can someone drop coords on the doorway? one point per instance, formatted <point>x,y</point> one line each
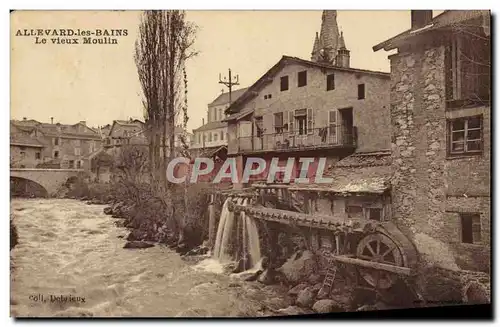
<point>346,125</point>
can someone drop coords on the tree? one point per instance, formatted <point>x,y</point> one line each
<point>161,51</point>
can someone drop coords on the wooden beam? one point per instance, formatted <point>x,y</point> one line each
<point>374,265</point>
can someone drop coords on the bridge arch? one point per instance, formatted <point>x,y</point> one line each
<point>24,187</point>
<point>50,179</point>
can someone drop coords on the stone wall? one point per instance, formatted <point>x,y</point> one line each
<point>426,182</point>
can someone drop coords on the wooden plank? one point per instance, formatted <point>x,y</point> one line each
<point>375,265</point>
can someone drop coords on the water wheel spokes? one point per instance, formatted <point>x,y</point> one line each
<point>381,249</point>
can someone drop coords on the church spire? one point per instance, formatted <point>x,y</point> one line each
<point>343,55</point>
<point>328,42</point>
<point>316,48</point>
<point>329,34</point>
<point>341,41</point>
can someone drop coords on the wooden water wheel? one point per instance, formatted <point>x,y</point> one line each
<point>381,249</point>
<point>388,254</point>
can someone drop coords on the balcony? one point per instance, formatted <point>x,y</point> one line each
<point>317,138</point>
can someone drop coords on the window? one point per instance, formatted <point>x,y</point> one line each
<point>209,137</point>
<point>284,83</point>
<point>56,141</point>
<point>465,136</point>
<point>220,114</point>
<point>470,227</point>
<point>268,96</point>
<point>56,154</point>
<point>78,164</point>
<point>77,151</point>
<point>301,121</point>
<point>38,155</point>
<point>216,137</point>
<point>302,78</point>
<point>204,137</point>
<point>361,91</point>
<point>330,82</point>
<point>71,164</point>
<point>468,67</point>
<point>278,122</point>
<point>199,138</point>
<point>375,214</point>
<point>23,154</point>
<point>222,135</point>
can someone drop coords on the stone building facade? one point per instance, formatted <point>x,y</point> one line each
<point>335,112</point>
<point>64,145</point>
<point>214,132</point>
<point>440,117</point>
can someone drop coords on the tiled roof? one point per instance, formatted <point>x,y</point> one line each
<point>449,18</point>
<point>53,129</point>
<point>134,122</point>
<point>25,140</point>
<point>366,159</point>
<point>359,173</point>
<point>211,125</point>
<point>238,115</point>
<point>223,98</point>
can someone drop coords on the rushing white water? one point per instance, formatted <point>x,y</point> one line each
<point>253,244</point>
<point>70,249</point>
<point>226,219</point>
<point>250,235</point>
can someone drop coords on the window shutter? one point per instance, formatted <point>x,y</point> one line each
<point>332,125</point>
<point>310,121</point>
<point>290,121</point>
<point>476,228</point>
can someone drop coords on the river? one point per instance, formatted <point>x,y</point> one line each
<point>70,262</point>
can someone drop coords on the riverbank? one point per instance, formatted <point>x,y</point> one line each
<point>298,277</point>
<point>69,248</point>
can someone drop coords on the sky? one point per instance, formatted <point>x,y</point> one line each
<point>99,83</point>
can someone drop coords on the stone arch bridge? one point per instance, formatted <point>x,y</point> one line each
<point>50,179</point>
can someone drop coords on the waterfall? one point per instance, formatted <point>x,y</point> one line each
<point>224,217</point>
<point>253,245</point>
<point>250,235</point>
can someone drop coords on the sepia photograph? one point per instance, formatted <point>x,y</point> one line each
<point>250,163</point>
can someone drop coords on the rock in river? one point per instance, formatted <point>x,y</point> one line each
<point>326,306</point>
<point>295,290</point>
<point>137,245</point>
<point>305,299</point>
<point>299,268</point>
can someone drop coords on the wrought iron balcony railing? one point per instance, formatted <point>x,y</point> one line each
<point>282,140</point>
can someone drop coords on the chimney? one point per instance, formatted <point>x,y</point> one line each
<point>420,18</point>
<point>24,118</point>
<point>202,121</point>
<point>52,120</point>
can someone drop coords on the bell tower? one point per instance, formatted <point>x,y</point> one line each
<point>330,43</point>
